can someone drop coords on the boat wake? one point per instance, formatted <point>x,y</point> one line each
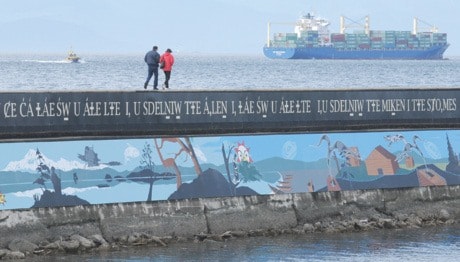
<point>53,61</point>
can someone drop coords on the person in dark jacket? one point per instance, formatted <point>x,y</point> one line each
<point>152,58</point>
<point>168,59</point>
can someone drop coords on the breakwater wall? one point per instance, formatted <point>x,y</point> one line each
<point>83,228</point>
<point>95,169</point>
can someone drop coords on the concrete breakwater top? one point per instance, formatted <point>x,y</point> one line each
<point>70,114</point>
<point>30,233</point>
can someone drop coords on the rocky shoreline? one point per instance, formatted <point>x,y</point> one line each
<point>22,248</point>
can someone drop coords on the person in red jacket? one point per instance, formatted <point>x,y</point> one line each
<point>166,62</point>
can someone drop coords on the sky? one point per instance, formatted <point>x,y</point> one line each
<point>197,27</point>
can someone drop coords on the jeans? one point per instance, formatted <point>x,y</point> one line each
<point>153,70</point>
<point>167,77</point>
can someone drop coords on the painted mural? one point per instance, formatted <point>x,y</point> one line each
<point>85,172</point>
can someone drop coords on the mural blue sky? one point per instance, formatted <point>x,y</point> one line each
<point>208,149</point>
<point>203,26</point>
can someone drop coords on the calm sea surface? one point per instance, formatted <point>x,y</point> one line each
<point>206,72</point>
<point>103,72</point>
<point>427,244</point>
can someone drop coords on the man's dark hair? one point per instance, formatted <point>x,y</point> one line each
<point>155,47</point>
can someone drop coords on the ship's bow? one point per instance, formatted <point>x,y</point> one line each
<point>279,52</point>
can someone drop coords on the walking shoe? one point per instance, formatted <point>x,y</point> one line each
<point>145,85</point>
<point>155,88</point>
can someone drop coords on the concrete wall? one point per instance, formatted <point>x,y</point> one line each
<point>186,218</point>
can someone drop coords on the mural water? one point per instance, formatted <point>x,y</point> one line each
<point>84,172</point>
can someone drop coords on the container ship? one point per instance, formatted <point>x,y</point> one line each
<point>311,39</point>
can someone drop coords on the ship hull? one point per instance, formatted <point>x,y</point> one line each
<point>329,52</point>
<point>73,60</point>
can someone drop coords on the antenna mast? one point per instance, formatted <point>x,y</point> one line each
<point>430,28</point>
<point>354,24</point>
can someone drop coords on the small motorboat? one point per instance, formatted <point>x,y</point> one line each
<point>72,57</point>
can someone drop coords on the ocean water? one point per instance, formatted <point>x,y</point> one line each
<point>21,72</point>
<point>426,244</point>
<point>219,72</point>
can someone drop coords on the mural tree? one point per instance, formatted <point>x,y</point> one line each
<point>170,162</point>
<point>147,174</point>
<point>49,198</point>
<point>147,161</point>
<point>148,164</point>
<point>47,173</point>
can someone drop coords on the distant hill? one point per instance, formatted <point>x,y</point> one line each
<point>210,184</point>
<point>16,181</point>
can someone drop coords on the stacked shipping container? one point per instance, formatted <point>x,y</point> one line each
<point>375,40</point>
